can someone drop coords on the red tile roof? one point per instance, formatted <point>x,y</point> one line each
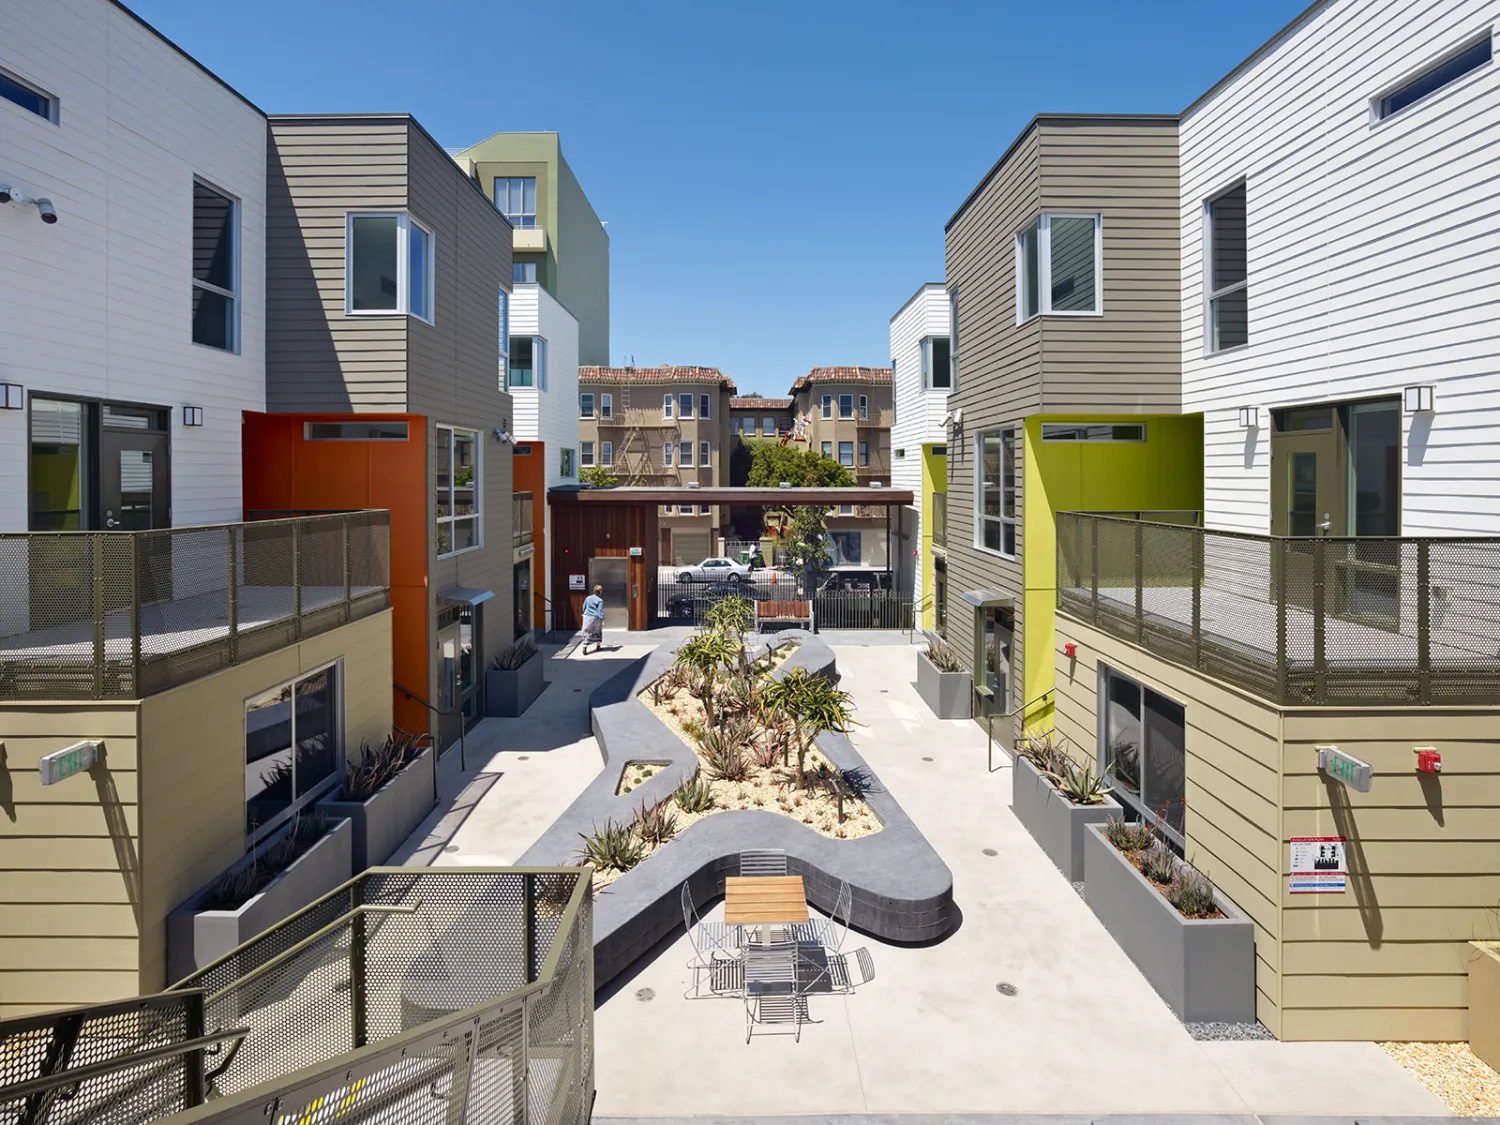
<point>843,375</point>
<point>746,402</point>
<point>663,374</point>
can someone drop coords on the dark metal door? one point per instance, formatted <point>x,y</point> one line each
<point>134,481</point>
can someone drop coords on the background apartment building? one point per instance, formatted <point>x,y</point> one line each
<point>661,426</point>
<point>921,381</point>
<point>756,418</point>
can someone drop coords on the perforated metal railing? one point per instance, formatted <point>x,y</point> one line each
<point>407,996</point>
<point>1358,621</point>
<point>121,615</point>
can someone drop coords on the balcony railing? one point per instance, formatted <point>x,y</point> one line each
<point>939,519</point>
<point>1345,621</point>
<point>122,615</point>
<point>521,515</point>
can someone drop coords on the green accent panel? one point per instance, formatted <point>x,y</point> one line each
<point>934,479</point>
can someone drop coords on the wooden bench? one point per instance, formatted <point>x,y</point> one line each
<point>783,614</point>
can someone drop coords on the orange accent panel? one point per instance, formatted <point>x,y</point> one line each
<point>530,475</point>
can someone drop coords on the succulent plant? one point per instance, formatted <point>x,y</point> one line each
<point>615,846</point>
<point>694,795</point>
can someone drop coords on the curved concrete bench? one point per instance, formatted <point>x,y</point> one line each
<point>902,890</point>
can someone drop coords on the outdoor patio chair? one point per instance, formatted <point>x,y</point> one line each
<point>709,939</point>
<point>772,988</point>
<point>762,863</point>
<point>831,931</point>
<point>848,971</point>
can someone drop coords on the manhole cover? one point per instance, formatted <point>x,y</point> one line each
<point>926,759</point>
<point>451,848</point>
<point>990,851</point>
<point>522,757</point>
<point>885,691</point>
<point>1005,988</point>
<point>645,994</point>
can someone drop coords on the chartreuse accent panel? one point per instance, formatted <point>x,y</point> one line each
<point>934,479</point>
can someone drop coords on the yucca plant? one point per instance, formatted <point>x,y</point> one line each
<point>694,795</point>
<point>723,757</point>
<point>615,846</point>
<point>513,655</point>
<point>813,705</point>
<point>734,614</point>
<point>944,658</point>
<point>656,824</point>
<point>1128,836</point>
<point>1082,786</point>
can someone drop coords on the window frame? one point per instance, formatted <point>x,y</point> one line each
<point>1211,294</point>
<point>1050,430</point>
<point>685,399</point>
<point>768,426</point>
<point>523,215</point>
<point>585,454</point>
<point>849,447</point>
<point>232,296</point>
<point>827,405</point>
<point>586,408</point>
<point>478,514</point>
<point>53,116</point>
<point>404,222</point>
<point>952,340</point>
<point>685,462</point>
<point>324,787</point>
<point>704,407</point>
<point>929,365</point>
<point>705,455</point>
<point>846,397</point>
<point>565,464</point>
<point>667,402</point>
<point>827,450</point>
<point>1378,111</point>
<point>1043,225</point>
<point>864,455</point>
<point>862,408</point>
<point>1001,520</point>
<point>606,407</point>
<point>1141,803</point>
<point>606,454</point>
<point>503,310</point>
<point>666,455</point>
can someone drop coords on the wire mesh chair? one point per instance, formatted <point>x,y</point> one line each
<point>831,931</point>
<point>758,864</point>
<point>773,992</point>
<point>848,971</point>
<point>709,939</point>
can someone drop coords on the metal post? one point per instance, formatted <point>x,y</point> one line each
<point>194,1085</point>
<point>297,575</point>
<point>1197,578</point>
<point>1140,580</point>
<point>357,967</point>
<point>344,526</point>
<point>135,616</point>
<point>233,586</point>
<point>528,928</point>
<point>1320,622</point>
<point>1094,567</point>
<point>1424,623</point>
<point>97,562</point>
<point>1278,569</point>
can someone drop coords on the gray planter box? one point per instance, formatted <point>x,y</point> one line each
<point>949,695</point>
<point>507,693</point>
<point>1203,968</point>
<point>1053,821</point>
<point>197,937</point>
<point>382,822</point>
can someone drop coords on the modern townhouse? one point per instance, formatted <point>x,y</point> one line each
<point>1339,606</point>
<point>847,411</point>
<point>389,269</point>
<point>151,643</point>
<point>756,418</point>
<point>559,242</point>
<point>921,381</point>
<point>1065,380</point>
<point>662,426</point>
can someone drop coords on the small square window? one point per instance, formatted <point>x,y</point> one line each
<point>388,266</point>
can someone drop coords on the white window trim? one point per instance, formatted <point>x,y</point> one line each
<point>666,455</point>
<point>705,407</point>
<point>263,831</point>
<point>607,406</point>
<point>842,416</point>
<point>666,405</point>
<point>691,397</point>
<point>928,384</point>
<point>953,340</point>
<point>539,361</point>
<point>827,405</point>
<point>607,454</point>
<point>592,407</point>
<point>234,297</point>
<point>1419,71</point>
<point>504,311</point>
<point>685,462</point>
<point>1211,295</point>
<point>849,464</point>
<point>478,516</point>
<point>585,455</point>
<point>404,223</point>
<point>705,455</point>
<point>1044,269</point>
<point>979,516</point>
<point>862,408</point>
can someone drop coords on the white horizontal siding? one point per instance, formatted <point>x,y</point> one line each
<point>919,413</point>
<point>105,308</point>
<point>1374,255</point>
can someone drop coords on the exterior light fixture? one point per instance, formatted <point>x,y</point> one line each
<point>12,396</point>
<point>785,484</point>
<point>1419,399</point>
<point>192,415</point>
<point>1248,418</point>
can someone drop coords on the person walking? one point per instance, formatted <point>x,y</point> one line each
<point>593,620</point>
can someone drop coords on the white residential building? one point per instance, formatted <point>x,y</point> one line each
<point>1342,183</point>
<point>543,382</point>
<point>133,331</point>
<point>921,383</point>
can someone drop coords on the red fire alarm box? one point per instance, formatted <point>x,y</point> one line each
<point>1070,650</point>
<point>1429,760</point>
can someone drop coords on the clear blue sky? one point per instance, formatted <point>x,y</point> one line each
<point>776,176</point>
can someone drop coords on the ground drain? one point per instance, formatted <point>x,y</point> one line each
<point>645,994</point>
<point>451,848</point>
<point>990,851</point>
<point>1005,988</point>
<point>926,759</point>
<point>522,757</point>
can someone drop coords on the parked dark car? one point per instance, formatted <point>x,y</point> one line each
<point>694,602</point>
<point>855,578</point>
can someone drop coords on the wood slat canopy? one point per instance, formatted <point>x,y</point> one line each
<point>759,496</point>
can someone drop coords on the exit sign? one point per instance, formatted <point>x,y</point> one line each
<point>62,764</point>
<point>1344,767</point>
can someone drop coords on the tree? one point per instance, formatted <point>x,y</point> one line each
<point>597,476</point>
<point>704,654</point>
<point>773,463</point>
<point>814,706</point>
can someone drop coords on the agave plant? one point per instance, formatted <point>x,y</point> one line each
<point>656,824</point>
<point>615,846</point>
<point>1128,836</point>
<point>1047,751</point>
<point>1081,785</point>
<point>723,757</point>
<point>944,658</point>
<point>694,795</point>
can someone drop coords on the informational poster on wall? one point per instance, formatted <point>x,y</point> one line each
<point>1318,866</point>
<point>578,581</point>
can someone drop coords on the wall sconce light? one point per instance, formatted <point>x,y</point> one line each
<point>12,396</point>
<point>192,415</point>
<point>1249,419</point>
<point>1419,399</point>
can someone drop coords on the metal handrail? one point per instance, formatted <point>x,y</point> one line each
<point>990,722</point>
<point>463,749</point>
<point>81,1074</point>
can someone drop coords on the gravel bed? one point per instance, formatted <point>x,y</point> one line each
<point>1228,1032</point>
<point>1467,1086</point>
<point>1079,888</point>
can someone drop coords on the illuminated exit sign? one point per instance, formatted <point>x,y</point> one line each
<point>62,764</point>
<point>1344,767</point>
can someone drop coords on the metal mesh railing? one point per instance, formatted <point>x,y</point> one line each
<point>1354,621</point>
<point>121,615</point>
<point>869,607</point>
<point>406,996</point>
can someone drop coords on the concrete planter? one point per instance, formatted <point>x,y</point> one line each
<point>1053,821</point>
<point>949,695</point>
<point>197,937</point>
<point>385,819</point>
<point>1484,1000</point>
<point>508,692</point>
<point>1203,968</point>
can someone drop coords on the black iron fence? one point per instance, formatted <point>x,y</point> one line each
<point>405,996</point>
<point>121,615</point>
<point>865,601</point>
<point>1357,621</point>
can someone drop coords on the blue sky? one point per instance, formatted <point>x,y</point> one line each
<point>776,176</point>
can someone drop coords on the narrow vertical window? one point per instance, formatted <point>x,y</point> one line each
<point>685,405</point>
<point>1226,270</point>
<point>606,406</point>
<point>995,483</point>
<point>953,340</point>
<point>666,406</point>
<point>504,339</point>
<point>846,406</point>
<point>703,407</point>
<point>828,406</point>
<point>586,407</point>
<point>666,455</point>
<point>215,268</point>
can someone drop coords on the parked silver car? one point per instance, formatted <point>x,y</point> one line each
<point>714,570</point>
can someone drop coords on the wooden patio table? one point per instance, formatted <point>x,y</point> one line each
<point>765,901</point>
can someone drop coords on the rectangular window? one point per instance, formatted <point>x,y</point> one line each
<point>995,483</point>
<point>388,266</point>
<point>684,509</point>
<point>1096,431</point>
<point>846,453</point>
<point>1226,270</point>
<point>504,339</point>
<point>515,198</point>
<point>456,477</point>
<point>354,431</point>
<point>28,97</point>
<point>216,268</point>
<point>523,273</point>
<point>666,406</point>
<point>937,374</point>
<point>864,453</point>
<point>685,454</point>
<point>846,552</point>
<point>293,749</point>
<point>953,339</point>
<point>585,407</point>
<point>828,406</point>
<point>767,427</point>
<point>539,347</point>
<point>522,362</point>
<point>846,509</point>
<point>62,465</point>
<point>704,455</point>
<point>1057,267</point>
<point>864,407</point>
<point>703,407</point>
<point>666,455</point>
<point>1142,747</point>
<point>607,454</point>
<point>685,405</point>
<point>846,406</point>
<point>828,449</point>
<point>586,454</point>
<point>565,463</point>
<point>1444,72</point>
<point>606,406</point>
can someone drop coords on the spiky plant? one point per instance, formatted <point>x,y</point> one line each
<point>1129,836</point>
<point>944,658</point>
<point>1193,894</point>
<point>615,846</point>
<point>694,795</point>
<point>656,824</point>
<point>1158,863</point>
<point>723,757</point>
<point>813,705</point>
<point>732,614</point>
<point>513,655</point>
<point>1082,786</point>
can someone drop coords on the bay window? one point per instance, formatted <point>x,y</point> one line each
<point>388,265</point>
<point>1058,267</point>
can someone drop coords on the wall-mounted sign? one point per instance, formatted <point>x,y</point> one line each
<point>62,764</point>
<point>1318,865</point>
<point>578,581</point>
<point>1344,767</point>
<point>635,552</point>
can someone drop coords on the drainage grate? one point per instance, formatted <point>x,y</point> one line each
<point>926,759</point>
<point>990,851</point>
<point>645,994</point>
<point>1005,988</point>
<point>451,848</point>
<point>523,757</point>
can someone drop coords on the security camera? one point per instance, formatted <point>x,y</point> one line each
<point>6,195</point>
<point>49,214</point>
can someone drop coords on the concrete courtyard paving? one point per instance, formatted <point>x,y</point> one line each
<point>1083,1034</point>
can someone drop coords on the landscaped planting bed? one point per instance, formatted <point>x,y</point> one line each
<point>636,774</point>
